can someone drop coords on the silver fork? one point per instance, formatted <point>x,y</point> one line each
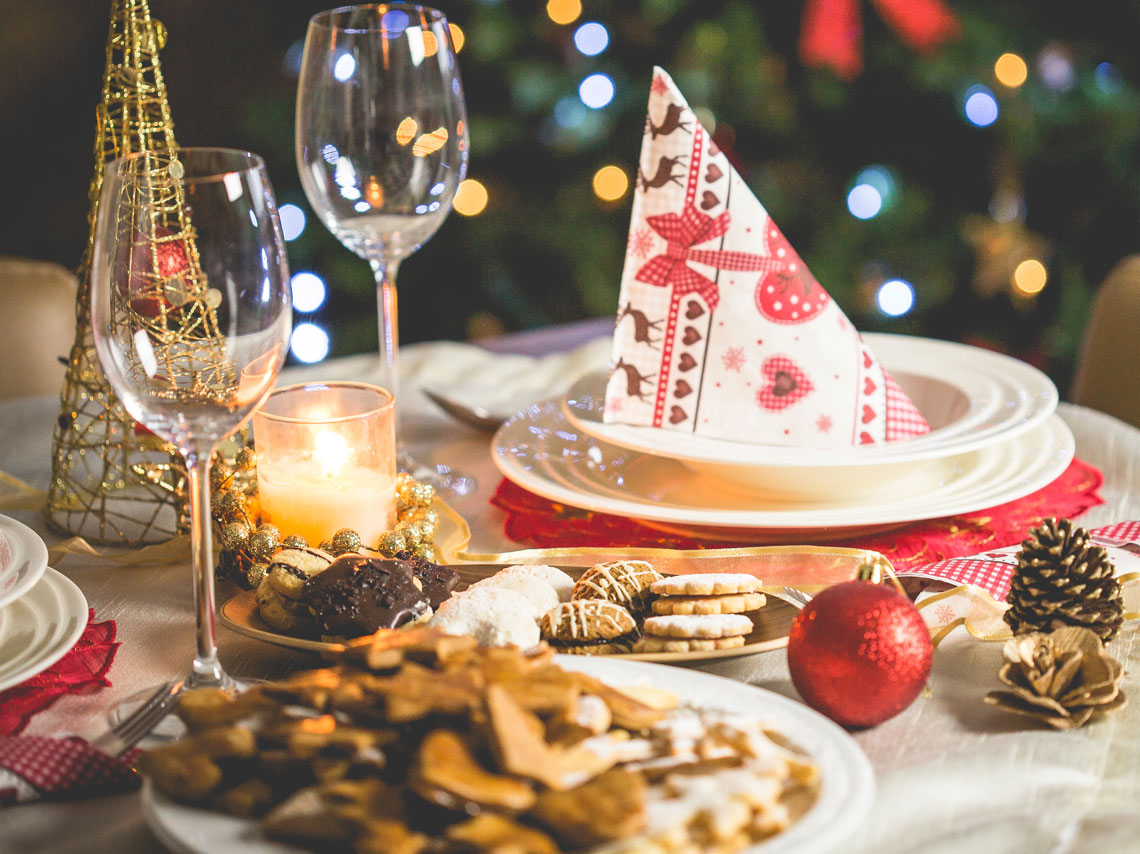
<point>138,724</point>
<point>796,597</point>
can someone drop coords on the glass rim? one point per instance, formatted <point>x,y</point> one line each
<point>389,401</point>
<point>251,161</point>
<point>324,19</point>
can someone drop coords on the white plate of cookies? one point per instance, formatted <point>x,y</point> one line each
<point>623,608</point>
<point>419,741</point>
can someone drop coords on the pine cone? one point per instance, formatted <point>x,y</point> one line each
<point>1063,580</point>
<point>1062,678</point>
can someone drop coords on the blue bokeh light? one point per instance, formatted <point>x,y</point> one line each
<point>895,297</point>
<point>292,221</point>
<point>309,343</point>
<point>591,38</point>
<point>344,67</point>
<point>981,106</point>
<point>596,91</point>
<point>394,22</point>
<point>308,291</point>
<point>864,201</point>
<point>1108,78</point>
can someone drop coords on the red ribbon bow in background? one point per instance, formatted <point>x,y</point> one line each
<point>684,231</point>
<point>832,31</point>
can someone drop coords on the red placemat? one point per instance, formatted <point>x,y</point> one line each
<point>546,524</point>
<point>81,671</point>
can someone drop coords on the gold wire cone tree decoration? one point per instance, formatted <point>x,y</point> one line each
<point>112,480</point>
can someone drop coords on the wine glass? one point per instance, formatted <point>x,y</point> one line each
<point>381,144</point>
<point>191,315</point>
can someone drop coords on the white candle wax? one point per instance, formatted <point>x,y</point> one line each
<point>299,495</point>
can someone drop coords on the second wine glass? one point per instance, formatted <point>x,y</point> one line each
<point>381,141</point>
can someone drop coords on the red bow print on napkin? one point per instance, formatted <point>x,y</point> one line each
<point>684,231</point>
<point>832,31</point>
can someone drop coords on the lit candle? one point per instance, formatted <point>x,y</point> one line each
<point>326,460</point>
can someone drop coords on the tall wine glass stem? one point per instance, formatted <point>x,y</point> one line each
<point>385,272</point>
<point>207,670</point>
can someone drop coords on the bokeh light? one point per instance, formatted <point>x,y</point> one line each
<point>1011,70</point>
<point>1007,205</point>
<point>591,38</point>
<point>1029,277</point>
<point>309,343</point>
<point>596,91</point>
<point>563,11</point>
<point>864,201</point>
<point>394,22</point>
<point>1108,79</point>
<point>406,130</point>
<point>570,112</point>
<point>981,106</point>
<point>308,291</point>
<point>292,221</point>
<point>895,297</point>
<point>610,183</point>
<point>471,198</point>
<point>1056,68</point>
<point>458,39</point>
<point>344,67</point>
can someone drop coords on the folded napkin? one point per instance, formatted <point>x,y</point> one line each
<point>722,330</point>
<point>81,671</point>
<point>36,768</point>
<point>993,570</point>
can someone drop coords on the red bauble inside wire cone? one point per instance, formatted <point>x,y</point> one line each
<point>859,653</point>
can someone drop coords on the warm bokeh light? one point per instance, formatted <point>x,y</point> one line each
<point>430,43</point>
<point>564,11</point>
<point>1010,70</point>
<point>406,131</point>
<point>374,192</point>
<point>610,183</point>
<point>470,198</point>
<point>457,37</point>
<point>1029,277</point>
<point>429,143</point>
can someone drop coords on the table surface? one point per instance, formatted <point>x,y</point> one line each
<point>953,774</point>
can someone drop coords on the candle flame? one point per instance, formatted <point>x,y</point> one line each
<point>331,450</point>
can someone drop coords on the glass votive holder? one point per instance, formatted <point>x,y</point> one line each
<point>326,460</point>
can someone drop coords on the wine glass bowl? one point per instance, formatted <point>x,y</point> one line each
<point>191,315</point>
<point>381,139</point>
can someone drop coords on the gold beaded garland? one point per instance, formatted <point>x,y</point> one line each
<point>248,547</point>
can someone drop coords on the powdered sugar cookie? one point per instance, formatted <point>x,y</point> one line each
<point>495,616</point>
<point>706,584</point>
<point>731,603</point>
<point>555,577</point>
<point>625,582</point>
<point>703,626</point>
<point>534,588</point>
<point>651,643</point>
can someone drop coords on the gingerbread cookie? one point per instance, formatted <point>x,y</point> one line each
<point>707,584</point>
<point>626,582</point>
<point>729,603</point>
<point>589,626</point>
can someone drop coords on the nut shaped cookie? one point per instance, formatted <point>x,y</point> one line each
<point>291,568</point>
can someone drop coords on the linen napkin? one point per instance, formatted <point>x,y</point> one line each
<point>35,767</point>
<point>721,328</point>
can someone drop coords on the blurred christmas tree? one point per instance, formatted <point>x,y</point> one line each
<point>962,168</point>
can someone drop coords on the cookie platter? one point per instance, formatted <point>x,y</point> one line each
<point>769,619</point>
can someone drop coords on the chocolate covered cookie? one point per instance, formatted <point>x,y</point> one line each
<point>437,581</point>
<point>357,595</point>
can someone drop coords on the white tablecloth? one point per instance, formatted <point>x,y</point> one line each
<point>953,774</point>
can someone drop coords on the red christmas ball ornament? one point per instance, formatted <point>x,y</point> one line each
<point>859,652</point>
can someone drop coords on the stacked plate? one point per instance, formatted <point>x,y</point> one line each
<point>42,612</point>
<point>995,438</point>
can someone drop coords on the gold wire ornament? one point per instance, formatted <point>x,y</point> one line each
<point>112,481</point>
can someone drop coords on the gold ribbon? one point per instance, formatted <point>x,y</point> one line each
<point>20,495</point>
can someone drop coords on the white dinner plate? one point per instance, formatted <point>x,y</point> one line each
<point>540,451</point>
<point>28,560</point>
<point>40,627</point>
<point>847,781</point>
<point>971,397</point>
